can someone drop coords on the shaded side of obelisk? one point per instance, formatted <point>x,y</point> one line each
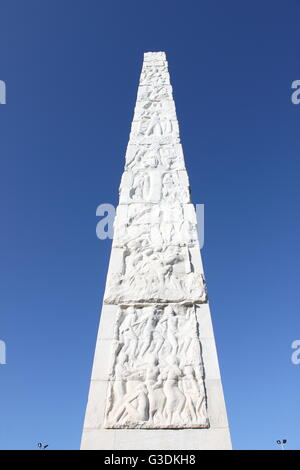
<point>155,382</point>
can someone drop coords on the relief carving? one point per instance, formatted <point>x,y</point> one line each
<point>156,125</point>
<point>155,274</point>
<point>153,185</point>
<point>160,224</point>
<point>173,233</point>
<point>172,190</point>
<point>149,386</point>
<point>155,277</point>
<point>152,156</point>
<point>155,130</point>
<point>146,109</point>
<point>157,93</point>
<point>155,75</point>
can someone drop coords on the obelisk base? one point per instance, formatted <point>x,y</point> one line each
<point>96,437</point>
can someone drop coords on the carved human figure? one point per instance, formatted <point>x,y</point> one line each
<point>190,345</point>
<point>154,74</point>
<point>157,277</point>
<point>169,158</point>
<point>144,158</point>
<point>154,385</point>
<point>141,213</point>
<point>133,280</point>
<point>135,406</point>
<point>153,125</point>
<point>175,399</point>
<point>193,387</point>
<point>151,159</point>
<point>171,218</point>
<point>156,93</point>
<point>192,394</point>
<point>167,125</point>
<point>121,369</point>
<point>129,233</point>
<point>147,334</point>
<point>171,257</point>
<point>141,187</point>
<point>136,157</point>
<point>169,188</point>
<point>171,320</point>
<point>201,404</point>
<point>118,385</point>
<point>127,332</point>
<point>159,336</point>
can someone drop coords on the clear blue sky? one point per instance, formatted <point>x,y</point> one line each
<point>71,69</point>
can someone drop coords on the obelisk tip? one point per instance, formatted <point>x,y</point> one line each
<point>152,56</point>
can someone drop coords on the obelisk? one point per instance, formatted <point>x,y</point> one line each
<point>155,382</point>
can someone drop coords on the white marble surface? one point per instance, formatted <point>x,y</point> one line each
<point>145,439</point>
<point>155,381</point>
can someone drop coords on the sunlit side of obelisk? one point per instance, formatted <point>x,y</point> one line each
<point>155,382</point>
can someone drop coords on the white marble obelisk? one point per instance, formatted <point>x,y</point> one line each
<point>155,381</point>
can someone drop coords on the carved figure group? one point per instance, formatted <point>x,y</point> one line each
<point>155,273</point>
<point>154,75</point>
<point>149,385</point>
<point>156,378</point>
